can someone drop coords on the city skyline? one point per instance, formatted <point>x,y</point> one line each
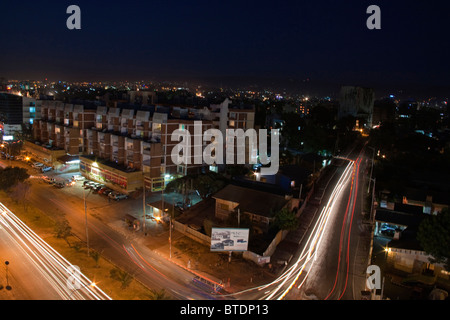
<point>316,47</point>
<point>236,151</point>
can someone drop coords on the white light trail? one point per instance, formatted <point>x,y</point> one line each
<point>54,267</point>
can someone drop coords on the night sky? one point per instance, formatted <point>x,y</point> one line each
<point>226,41</point>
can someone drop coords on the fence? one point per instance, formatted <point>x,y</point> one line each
<point>204,239</point>
<point>191,233</point>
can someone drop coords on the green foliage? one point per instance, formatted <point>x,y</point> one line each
<point>63,230</point>
<point>122,276</point>
<point>285,220</point>
<point>205,184</point>
<point>434,237</point>
<point>96,256</point>
<point>20,193</point>
<point>159,295</point>
<point>10,176</point>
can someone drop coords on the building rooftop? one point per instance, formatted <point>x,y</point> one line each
<point>421,195</point>
<point>408,240</point>
<point>252,201</point>
<point>399,218</point>
<point>408,208</point>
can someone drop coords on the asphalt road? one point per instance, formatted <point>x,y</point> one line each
<point>338,273</point>
<point>34,271</point>
<point>327,262</point>
<point>324,266</point>
<point>129,253</point>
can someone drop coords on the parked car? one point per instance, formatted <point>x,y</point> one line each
<point>102,190</point>
<point>78,178</point>
<point>37,165</point>
<point>117,196</point>
<point>97,188</point>
<point>106,191</point>
<point>88,184</point>
<point>59,184</point>
<point>46,169</point>
<point>388,232</point>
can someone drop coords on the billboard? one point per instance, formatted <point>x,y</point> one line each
<point>229,239</point>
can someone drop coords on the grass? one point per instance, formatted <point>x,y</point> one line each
<point>97,271</point>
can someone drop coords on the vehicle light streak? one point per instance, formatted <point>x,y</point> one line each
<point>310,249</point>
<point>54,267</point>
<point>318,230</point>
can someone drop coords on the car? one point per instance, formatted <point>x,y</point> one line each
<point>59,184</point>
<point>103,190</point>
<point>388,232</point>
<point>48,180</point>
<point>37,165</point>
<point>97,188</point>
<point>88,185</point>
<point>78,178</point>
<point>117,196</point>
<point>46,169</point>
<point>106,191</point>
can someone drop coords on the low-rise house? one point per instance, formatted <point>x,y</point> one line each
<point>260,206</point>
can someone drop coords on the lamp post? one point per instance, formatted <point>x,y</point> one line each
<point>371,169</point>
<point>8,287</point>
<point>86,221</point>
<point>143,203</point>
<point>372,216</point>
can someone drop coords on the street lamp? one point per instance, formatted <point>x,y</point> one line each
<point>86,219</point>
<point>8,287</point>
<point>372,216</point>
<point>371,169</point>
<point>143,202</point>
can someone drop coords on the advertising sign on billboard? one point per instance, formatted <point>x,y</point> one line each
<point>229,239</point>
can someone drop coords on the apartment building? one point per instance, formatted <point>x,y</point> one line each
<point>126,146</point>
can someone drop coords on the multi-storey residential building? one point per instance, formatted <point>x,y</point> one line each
<point>126,145</point>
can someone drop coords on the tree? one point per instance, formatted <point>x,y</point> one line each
<point>63,230</point>
<point>122,276</point>
<point>205,184</point>
<point>159,294</point>
<point>286,220</point>
<point>10,176</point>
<point>434,237</point>
<point>96,256</point>
<point>20,193</point>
